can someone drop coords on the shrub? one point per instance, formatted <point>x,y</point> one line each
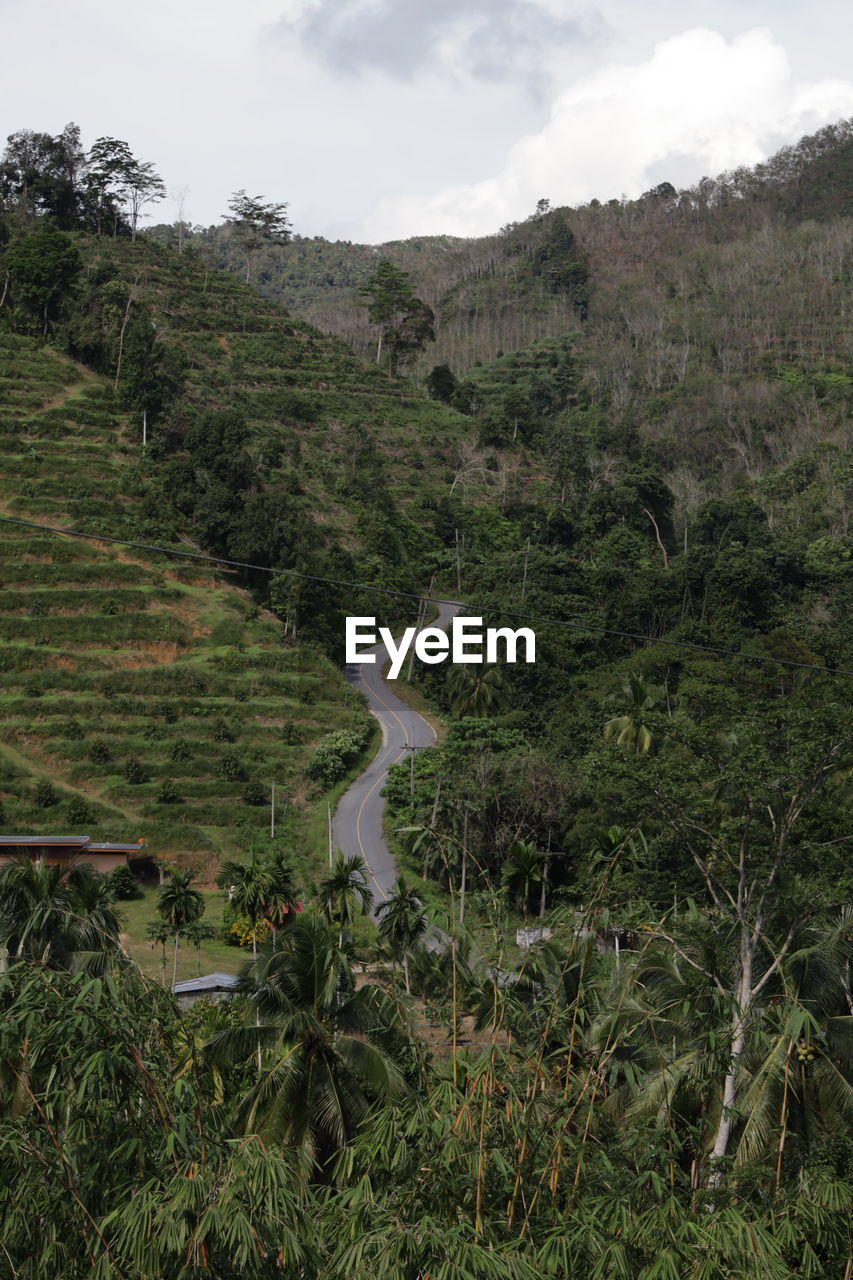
<point>231,767</point>
<point>242,932</point>
<point>134,772</point>
<point>78,813</point>
<point>124,884</point>
<point>290,733</point>
<point>222,731</point>
<point>168,712</point>
<point>333,756</point>
<point>73,730</point>
<point>180,750</point>
<point>255,793</point>
<point>232,660</point>
<point>45,795</point>
<point>99,753</point>
<point>168,793</point>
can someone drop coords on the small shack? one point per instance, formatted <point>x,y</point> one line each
<point>211,986</point>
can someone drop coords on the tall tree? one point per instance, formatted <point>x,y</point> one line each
<point>406,323</point>
<point>257,223</point>
<point>344,893</point>
<point>179,905</point>
<point>42,269</point>
<point>118,180</point>
<point>329,1045</point>
<point>403,922</point>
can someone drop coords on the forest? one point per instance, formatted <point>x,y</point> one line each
<point>604,1024</point>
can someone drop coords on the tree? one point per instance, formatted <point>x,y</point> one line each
<point>179,904</point>
<point>256,223</point>
<point>477,690</point>
<point>631,730</point>
<point>403,922</point>
<point>41,175</point>
<point>406,323</point>
<point>331,1057</point>
<point>344,893</point>
<point>43,268</point>
<point>117,179</point>
<point>523,867</point>
<point>196,933</point>
<point>51,915</point>
<point>249,885</point>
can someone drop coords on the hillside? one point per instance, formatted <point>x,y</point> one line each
<point>141,696</point>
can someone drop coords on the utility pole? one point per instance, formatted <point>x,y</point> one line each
<point>524,578</point>
<point>458,562</point>
<point>422,609</point>
<point>272,814</point>
<point>329,812</point>
<point>144,427</point>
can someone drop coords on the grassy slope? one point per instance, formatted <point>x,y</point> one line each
<point>111,654</point>
<point>299,389</point>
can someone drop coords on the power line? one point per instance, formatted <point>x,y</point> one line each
<point>412,595</point>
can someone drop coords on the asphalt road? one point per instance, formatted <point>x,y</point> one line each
<point>357,824</point>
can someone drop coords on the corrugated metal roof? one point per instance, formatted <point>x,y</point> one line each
<point>44,842</point>
<point>207,982</point>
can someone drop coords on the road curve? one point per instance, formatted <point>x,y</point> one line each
<point>357,824</point>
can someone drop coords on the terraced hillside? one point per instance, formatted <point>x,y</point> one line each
<point>140,696</point>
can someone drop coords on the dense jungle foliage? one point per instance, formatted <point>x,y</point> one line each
<point>633,430</point>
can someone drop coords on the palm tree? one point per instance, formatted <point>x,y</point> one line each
<point>477,691</point>
<point>158,933</point>
<point>333,1057</point>
<point>282,895</point>
<point>630,729</point>
<point>523,867</point>
<point>402,922</point>
<point>196,933</point>
<point>249,885</point>
<point>345,894</point>
<point>179,904</point>
<point>50,915</point>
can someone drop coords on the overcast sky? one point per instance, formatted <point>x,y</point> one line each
<point>378,119</point>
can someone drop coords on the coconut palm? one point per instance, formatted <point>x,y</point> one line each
<point>636,700</point>
<point>332,1049</point>
<point>402,922</point>
<point>477,691</point>
<point>345,894</point>
<point>50,915</point>
<point>179,904</point>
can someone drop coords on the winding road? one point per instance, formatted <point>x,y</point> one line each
<point>357,824</point>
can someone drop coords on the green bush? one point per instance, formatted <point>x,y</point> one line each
<point>255,793</point>
<point>168,793</point>
<point>333,756</point>
<point>231,767</point>
<point>124,884</point>
<point>134,772</point>
<point>45,795</point>
<point>78,812</point>
<point>222,731</point>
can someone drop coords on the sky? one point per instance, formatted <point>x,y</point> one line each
<point>382,119</point>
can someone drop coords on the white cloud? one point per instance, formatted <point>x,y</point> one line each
<point>699,105</point>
